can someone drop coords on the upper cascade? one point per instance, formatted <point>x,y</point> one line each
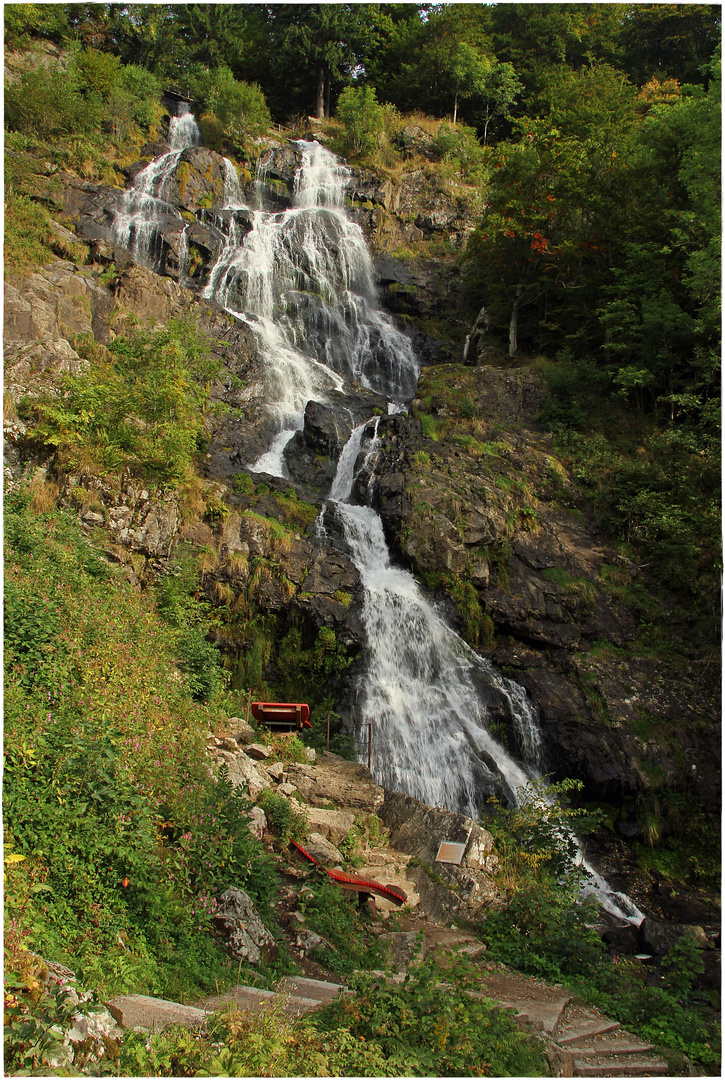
<point>302,279</point>
<point>308,273</point>
<point>321,179</point>
<point>183,131</point>
<point>144,207</point>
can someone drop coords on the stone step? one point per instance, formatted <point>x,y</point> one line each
<point>134,1011</point>
<point>317,989</point>
<point>250,999</point>
<point>639,1065</point>
<point>582,1032</point>
<point>524,1019</point>
<point>625,1046</point>
<point>540,1014</point>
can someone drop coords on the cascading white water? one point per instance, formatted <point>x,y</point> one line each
<point>303,279</point>
<point>183,130</point>
<point>424,691</point>
<point>143,209</point>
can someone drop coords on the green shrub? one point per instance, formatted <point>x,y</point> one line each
<point>432,1026</point>
<point>363,117</point>
<point>335,915</point>
<point>243,482</point>
<point>200,660</point>
<point>285,823</point>
<point>235,109</point>
<point>141,409</point>
<point>429,1026</point>
<point>462,152</point>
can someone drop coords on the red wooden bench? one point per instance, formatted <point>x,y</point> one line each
<point>281,716</point>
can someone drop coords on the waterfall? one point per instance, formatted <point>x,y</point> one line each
<point>303,280</point>
<point>142,208</point>
<point>424,690</point>
<point>430,698</point>
<point>183,130</point>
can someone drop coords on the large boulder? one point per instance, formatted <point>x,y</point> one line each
<point>334,825</point>
<point>246,935</point>
<point>198,180</point>
<point>659,937</point>
<point>446,890</point>
<point>322,850</point>
<point>334,780</point>
<point>432,543</point>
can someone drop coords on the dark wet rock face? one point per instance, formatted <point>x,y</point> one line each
<point>481,508</point>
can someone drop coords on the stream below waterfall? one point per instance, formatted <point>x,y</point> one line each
<point>303,280</point>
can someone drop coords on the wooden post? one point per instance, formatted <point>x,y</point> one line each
<point>249,700</point>
<point>328,731</point>
<point>370,743</point>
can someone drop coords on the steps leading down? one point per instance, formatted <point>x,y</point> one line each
<point>582,1041</point>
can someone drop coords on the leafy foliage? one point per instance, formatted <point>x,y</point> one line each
<point>92,92</point>
<point>239,108</point>
<point>434,1024</point>
<point>140,406</point>
<point>363,117</point>
<point>545,929</point>
<point>126,842</point>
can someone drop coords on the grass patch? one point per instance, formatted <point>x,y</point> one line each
<point>27,236</point>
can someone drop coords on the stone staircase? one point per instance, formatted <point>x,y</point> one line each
<point>582,1042</point>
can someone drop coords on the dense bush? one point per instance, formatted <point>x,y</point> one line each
<point>235,110</point>
<point>363,117</point>
<point>428,1026</point>
<point>89,93</point>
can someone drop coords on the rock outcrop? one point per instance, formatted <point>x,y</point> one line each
<point>247,938</point>
<point>447,890</point>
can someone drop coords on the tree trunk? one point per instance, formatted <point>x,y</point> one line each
<point>320,108</point>
<point>328,90</point>
<point>455,109</point>
<point>514,327</point>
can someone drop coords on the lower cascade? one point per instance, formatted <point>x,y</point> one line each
<point>302,279</point>
<point>426,699</point>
